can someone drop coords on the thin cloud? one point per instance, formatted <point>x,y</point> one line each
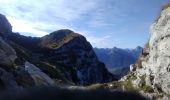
<point>59,13</point>
<point>96,17</point>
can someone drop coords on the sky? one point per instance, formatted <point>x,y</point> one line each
<point>104,23</point>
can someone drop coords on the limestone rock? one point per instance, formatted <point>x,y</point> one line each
<point>153,66</point>
<point>132,67</point>
<point>158,61</point>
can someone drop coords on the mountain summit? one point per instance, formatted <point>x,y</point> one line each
<point>5,26</point>
<point>73,50</point>
<point>58,38</point>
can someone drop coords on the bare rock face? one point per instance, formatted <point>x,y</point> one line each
<point>7,54</point>
<point>159,56</point>
<point>74,51</point>
<point>5,26</point>
<point>153,67</point>
<point>23,77</point>
<point>39,77</point>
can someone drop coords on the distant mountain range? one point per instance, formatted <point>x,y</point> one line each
<point>118,60</point>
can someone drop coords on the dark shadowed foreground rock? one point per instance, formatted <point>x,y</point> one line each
<point>54,93</point>
<point>5,26</point>
<point>29,75</point>
<point>7,80</point>
<point>7,54</point>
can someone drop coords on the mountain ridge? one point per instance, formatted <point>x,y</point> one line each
<point>118,60</point>
<point>65,57</point>
<point>133,53</point>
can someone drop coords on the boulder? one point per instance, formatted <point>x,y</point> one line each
<point>23,77</point>
<point>39,77</point>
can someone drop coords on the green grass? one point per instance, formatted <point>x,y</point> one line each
<point>143,86</point>
<point>127,84</point>
<point>147,46</point>
<point>48,69</point>
<point>165,6</point>
<point>139,62</point>
<point>111,85</point>
<point>142,55</point>
<point>162,8</point>
<point>96,86</point>
<point>54,44</point>
<point>142,81</point>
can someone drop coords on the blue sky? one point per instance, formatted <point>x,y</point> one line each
<point>105,23</point>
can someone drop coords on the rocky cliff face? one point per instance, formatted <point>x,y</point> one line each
<point>62,57</point>
<point>151,73</point>
<point>73,50</point>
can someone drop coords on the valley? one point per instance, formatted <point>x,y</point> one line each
<point>64,63</point>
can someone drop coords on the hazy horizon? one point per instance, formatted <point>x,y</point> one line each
<point>115,23</point>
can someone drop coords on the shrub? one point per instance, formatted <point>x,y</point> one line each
<point>127,84</point>
<point>162,8</point>
<point>143,85</point>
<point>165,6</point>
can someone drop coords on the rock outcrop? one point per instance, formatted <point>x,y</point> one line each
<point>5,26</point>
<point>14,75</point>
<point>7,54</point>
<point>39,77</point>
<point>72,50</point>
<point>151,73</point>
